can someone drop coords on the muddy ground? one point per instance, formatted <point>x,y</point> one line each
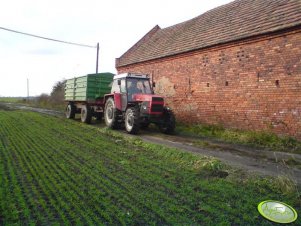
<point>266,162</point>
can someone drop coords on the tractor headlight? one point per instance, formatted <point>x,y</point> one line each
<point>144,107</point>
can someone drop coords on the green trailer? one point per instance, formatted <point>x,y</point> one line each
<point>85,95</point>
<point>88,88</point>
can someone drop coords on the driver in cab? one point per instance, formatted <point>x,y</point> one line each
<point>133,89</point>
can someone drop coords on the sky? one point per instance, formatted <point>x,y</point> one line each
<point>116,25</point>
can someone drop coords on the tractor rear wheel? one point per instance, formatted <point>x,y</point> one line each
<point>111,114</point>
<point>169,121</point>
<point>70,111</point>
<point>86,114</point>
<point>132,124</point>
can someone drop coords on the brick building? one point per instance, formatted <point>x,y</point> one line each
<point>238,65</point>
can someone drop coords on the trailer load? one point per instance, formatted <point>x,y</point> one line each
<point>125,100</point>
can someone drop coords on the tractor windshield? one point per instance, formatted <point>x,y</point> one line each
<point>135,85</point>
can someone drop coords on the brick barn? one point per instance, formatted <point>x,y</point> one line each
<point>238,65</point>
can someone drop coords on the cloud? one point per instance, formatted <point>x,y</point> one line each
<point>115,24</point>
<point>43,52</point>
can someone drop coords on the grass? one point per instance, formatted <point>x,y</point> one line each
<point>60,172</point>
<point>293,162</point>
<point>47,105</point>
<point>34,102</point>
<point>263,139</point>
<point>11,99</point>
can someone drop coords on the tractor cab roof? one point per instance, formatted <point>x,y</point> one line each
<point>131,75</point>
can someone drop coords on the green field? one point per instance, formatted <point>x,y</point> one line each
<point>61,172</point>
<point>11,99</point>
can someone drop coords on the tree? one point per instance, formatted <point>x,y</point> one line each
<point>43,100</point>
<point>58,92</point>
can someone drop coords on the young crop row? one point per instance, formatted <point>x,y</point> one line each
<point>55,171</point>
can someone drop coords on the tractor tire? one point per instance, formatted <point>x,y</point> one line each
<point>132,122</point>
<point>111,114</point>
<point>169,122</point>
<point>70,111</point>
<point>86,114</point>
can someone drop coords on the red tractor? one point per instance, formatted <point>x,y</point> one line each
<point>132,102</point>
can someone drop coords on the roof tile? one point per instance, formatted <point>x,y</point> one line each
<point>233,21</point>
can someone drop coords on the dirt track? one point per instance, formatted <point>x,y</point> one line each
<point>264,162</point>
<point>254,160</point>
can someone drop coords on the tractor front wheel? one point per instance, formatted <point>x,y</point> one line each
<point>132,124</point>
<point>168,124</point>
<point>111,114</point>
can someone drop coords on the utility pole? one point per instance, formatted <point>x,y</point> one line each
<point>27,90</point>
<point>97,57</point>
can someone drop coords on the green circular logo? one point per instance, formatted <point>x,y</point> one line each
<point>278,212</point>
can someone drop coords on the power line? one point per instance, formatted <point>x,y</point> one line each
<point>49,39</point>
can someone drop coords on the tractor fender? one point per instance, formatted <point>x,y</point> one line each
<point>117,100</point>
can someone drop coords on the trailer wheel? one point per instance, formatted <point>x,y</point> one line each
<point>169,121</point>
<point>132,124</point>
<point>111,114</point>
<point>70,111</point>
<point>86,114</point>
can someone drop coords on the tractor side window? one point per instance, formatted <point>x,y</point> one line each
<point>118,89</point>
<point>123,86</point>
<point>115,87</point>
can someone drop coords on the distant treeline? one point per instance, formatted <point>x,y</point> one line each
<point>54,100</point>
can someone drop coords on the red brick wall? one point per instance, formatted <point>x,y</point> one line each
<point>253,85</point>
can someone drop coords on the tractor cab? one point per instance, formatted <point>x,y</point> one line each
<point>131,84</point>
<point>132,101</point>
